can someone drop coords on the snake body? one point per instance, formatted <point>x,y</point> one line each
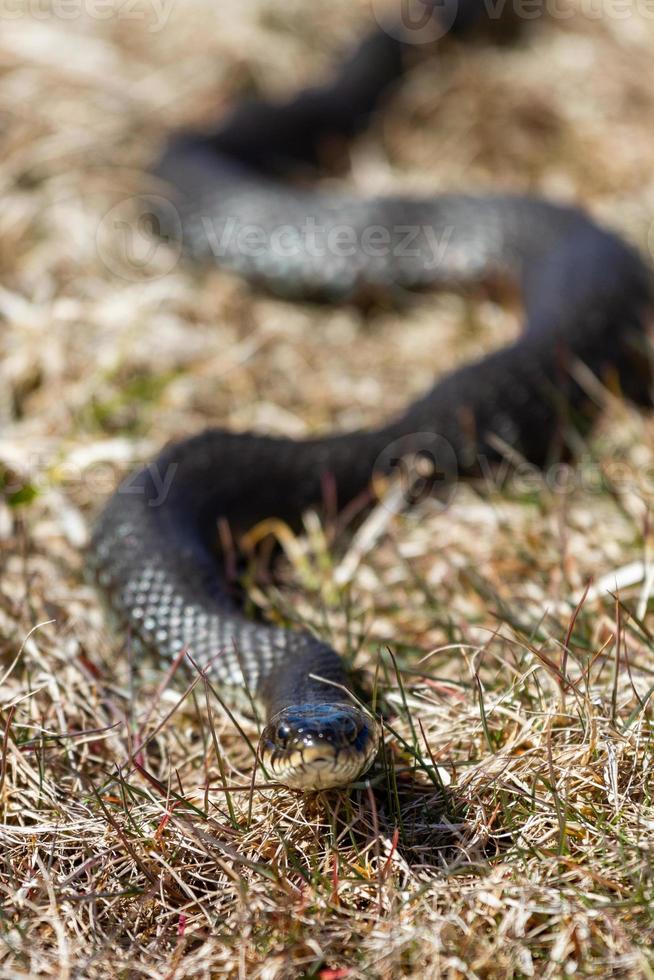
<point>586,295</point>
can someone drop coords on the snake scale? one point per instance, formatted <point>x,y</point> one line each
<point>586,294</point>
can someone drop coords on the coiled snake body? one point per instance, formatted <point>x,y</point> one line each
<point>586,296</point>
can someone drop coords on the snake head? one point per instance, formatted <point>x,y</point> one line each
<point>319,746</point>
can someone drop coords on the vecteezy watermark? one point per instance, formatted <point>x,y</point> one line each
<point>156,485</point>
<point>410,470</point>
<point>596,9</point>
<point>140,238</point>
<point>312,239</point>
<point>154,13</point>
<point>423,465</point>
<point>43,471</point>
<point>425,21</point>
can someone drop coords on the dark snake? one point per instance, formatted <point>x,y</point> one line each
<point>586,294</point>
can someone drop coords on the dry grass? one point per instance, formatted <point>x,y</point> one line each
<point>512,835</point>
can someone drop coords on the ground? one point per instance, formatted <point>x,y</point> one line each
<point>508,828</point>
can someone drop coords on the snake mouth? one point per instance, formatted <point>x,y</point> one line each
<point>319,746</point>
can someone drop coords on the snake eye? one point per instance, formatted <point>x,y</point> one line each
<point>283,734</point>
<point>349,729</point>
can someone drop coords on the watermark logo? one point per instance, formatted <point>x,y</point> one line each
<point>414,468</point>
<point>140,238</point>
<point>415,21</point>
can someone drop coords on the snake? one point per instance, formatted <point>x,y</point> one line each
<point>246,194</point>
